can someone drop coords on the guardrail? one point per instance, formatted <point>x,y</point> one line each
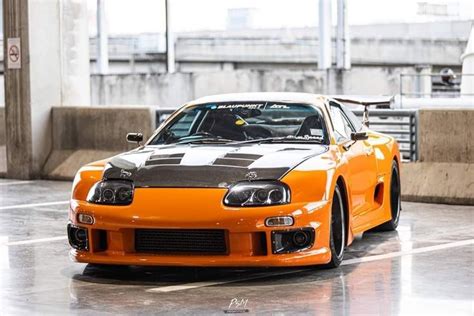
<point>433,85</point>
<point>401,124</point>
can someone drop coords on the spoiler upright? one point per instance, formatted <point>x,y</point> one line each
<point>366,101</point>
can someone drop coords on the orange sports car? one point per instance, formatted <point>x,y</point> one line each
<point>255,179</point>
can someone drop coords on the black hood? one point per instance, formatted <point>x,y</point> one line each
<point>208,166</point>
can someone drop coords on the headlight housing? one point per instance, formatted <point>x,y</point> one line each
<point>258,193</point>
<point>111,192</point>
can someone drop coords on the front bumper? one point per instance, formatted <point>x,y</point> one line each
<point>115,227</point>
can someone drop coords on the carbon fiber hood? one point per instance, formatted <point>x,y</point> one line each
<point>208,166</point>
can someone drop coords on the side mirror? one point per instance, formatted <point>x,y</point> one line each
<point>359,136</point>
<point>135,138</point>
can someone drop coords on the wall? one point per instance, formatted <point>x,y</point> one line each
<point>438,182</point>
<point>2,126</point>
<point>84,134</point>
<point>98,127</point>
<point>445,172</point>
<point>142,89</point>
<point>59,71</point>
<point>3,149</point>
<point>172,90</point>
<point>277,48</point>
<point>446,136</point>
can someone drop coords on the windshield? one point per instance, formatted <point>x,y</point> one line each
<point>232,122</point>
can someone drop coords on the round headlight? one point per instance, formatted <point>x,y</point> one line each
<point>275,196</point>
<point>260,195</point>
<point>108,195</point>
<point>124,194</point>
<point>239,196</point>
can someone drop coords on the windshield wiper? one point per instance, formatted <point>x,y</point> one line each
<point>206,140</point>
<point>286,139</point>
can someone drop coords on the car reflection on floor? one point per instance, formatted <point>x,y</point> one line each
<point>426,267</point>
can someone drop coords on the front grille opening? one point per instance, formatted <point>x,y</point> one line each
<point>259,246</point>
<point>100,240</point>
<point>181,241</point>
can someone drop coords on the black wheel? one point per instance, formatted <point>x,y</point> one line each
<point>337,234</point>
<point>395,201</point>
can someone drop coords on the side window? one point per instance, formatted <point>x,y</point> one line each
<point>342,127</point>
<point>353,118</point>
<point>183,126</point>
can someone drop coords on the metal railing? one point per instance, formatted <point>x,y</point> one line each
<point>433,85</point>
<point>401,124</point>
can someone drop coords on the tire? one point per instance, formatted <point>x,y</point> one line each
<point>337,233</point>
<point>395,201</point>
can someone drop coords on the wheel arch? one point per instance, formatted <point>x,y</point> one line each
<point>397,160</point>
<point>341,183</point>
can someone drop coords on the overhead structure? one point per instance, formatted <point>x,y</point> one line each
<point>325,38</point>
<point>102,39</point>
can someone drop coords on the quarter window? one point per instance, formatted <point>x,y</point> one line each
<point>342,127</point>
<point>356,123</point>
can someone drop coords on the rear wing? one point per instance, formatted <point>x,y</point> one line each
<point>366,101</point>
<point>379,101</point>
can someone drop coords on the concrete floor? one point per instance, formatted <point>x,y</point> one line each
<point>427,267</point>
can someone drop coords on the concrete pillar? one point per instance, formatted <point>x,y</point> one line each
<point>170,57</point>
<point>325,38</point>
<point>343,41</point>
<point>422,84</point>
<point>50,69</point>
<point>102,39</point>
<point>467,59</point>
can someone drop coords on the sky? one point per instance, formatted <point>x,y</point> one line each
<point>147,16</point>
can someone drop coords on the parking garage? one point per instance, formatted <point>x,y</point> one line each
<point>71,97</point>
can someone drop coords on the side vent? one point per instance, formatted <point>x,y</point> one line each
<point>378,193</point>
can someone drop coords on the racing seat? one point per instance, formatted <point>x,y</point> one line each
<point>223,125</point>
<point>311,126</point>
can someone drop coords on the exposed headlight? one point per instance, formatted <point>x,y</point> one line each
<point>258,193</point>
<point>112,192</point>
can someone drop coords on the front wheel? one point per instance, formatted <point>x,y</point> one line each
<point>395,201</point>
<point>337,238</point>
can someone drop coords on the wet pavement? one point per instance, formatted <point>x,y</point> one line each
<point>425,268</point>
